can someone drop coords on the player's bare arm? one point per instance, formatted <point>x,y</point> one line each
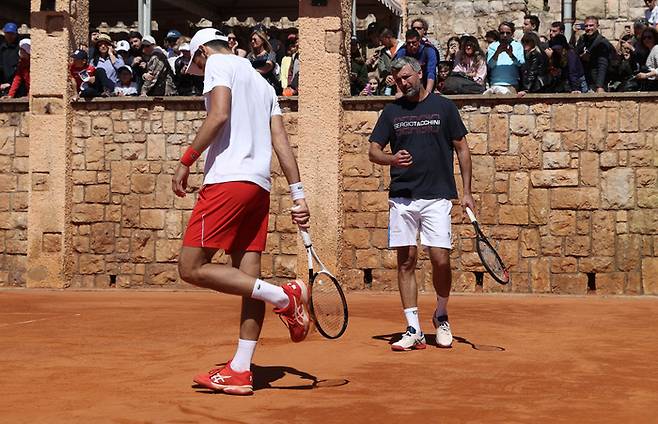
<point>281,146</point>
<point>220,112</point>
<point>401,159</point>
<point>465,166</point>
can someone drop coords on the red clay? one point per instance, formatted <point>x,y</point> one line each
<point>129,357</point>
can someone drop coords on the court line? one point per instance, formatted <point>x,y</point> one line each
<point>35,320</point>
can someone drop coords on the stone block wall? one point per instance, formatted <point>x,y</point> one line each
<point>128,224</point>
<point>565,186</point>
<point>14,186</point>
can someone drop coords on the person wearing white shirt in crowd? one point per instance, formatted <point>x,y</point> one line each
<point>651,14</point>
<point>126,86</point>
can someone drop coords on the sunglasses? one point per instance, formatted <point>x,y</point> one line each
<point>418,28</point>
<point>505,32</point>
<point>232,38</point>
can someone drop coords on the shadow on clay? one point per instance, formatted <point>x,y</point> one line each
<point>431,340</point>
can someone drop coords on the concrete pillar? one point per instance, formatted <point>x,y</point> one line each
<point>324,33</point>
<point>55,26</point>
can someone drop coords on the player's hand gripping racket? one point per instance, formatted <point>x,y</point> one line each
<point>488,255</point>
<point>327,302</point>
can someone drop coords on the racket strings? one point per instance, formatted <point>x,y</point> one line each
<point>327,305</point>
<point>489,256</point>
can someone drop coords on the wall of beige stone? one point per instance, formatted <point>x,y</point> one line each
<point>476,17</point>
<point>565,186</point>
<point>128,225</point>
<point>14,186</point>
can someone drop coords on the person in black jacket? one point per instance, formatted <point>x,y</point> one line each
<point>8,57</point>
<point>534,72</point>
<point>594,51</point>
<point>564,67</point>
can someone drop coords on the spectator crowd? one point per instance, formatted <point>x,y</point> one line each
<point>533,63</point>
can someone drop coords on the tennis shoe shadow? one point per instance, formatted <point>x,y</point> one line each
<point>266,378</point>
<point>430,339</point>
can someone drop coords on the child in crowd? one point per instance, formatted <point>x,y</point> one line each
<point>126,86</point>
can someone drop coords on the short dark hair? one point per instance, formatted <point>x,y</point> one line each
<point>492,34</point>
<point>135,34</point>
<point>422,21</point>
<point>558,24</point>
<point>508,24</point>
<point>386,32</point>
<point>534,20</point>
<point>412,33</point>
<point>531,38</point>
<point>217,44</point>
<point>650,31</point>
<point>592,18</point>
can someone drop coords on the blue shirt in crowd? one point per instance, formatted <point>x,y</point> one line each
<point>109,68</point>
<point>505,70</point>
<point>428,60</point>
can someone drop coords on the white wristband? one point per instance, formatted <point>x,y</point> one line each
<point>297,191</point>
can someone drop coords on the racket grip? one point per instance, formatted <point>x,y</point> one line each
<point>470,214</point>
<point>306,237</point>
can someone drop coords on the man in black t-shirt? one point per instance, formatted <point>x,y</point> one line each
<point>424,130</point>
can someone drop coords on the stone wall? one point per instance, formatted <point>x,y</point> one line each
<point>128,224</point>
<point>476,17</point>
<point>566,187</point>
<point>14,185</point>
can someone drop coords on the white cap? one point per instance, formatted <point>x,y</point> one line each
<point>122,46</point>
<point>148,40</point>
<point>202,37</point>
<point>26,45</point>
<point>184,47</point>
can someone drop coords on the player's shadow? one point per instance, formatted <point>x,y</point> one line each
<point>266,378</point>
<point>431,340</point>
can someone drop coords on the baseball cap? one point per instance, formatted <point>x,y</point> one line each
<point>79,54</point>
<point>26,45</point>
<point>122,46</point>
<point>173,34</point>
<point>259,27</point>
<point>10,27</point>
<point>125,68</point>
<point>202,37</point>
<point>184,47</point>
<point>148,40</point>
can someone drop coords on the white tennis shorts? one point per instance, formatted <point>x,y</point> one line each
<point>429,216</point>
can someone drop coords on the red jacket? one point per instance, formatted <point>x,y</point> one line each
<point>22,76</point>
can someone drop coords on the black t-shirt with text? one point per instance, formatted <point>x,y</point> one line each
<point>426,130</point>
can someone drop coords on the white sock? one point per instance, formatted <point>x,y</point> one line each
<point>412,318</point>
<point>441,306</point>
<point>242,359</point>
<point>270,293</point>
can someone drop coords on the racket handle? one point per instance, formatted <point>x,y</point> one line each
<point>470,214</point>
<point>306,237</point>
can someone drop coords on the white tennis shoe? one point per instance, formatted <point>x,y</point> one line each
<point>410,340</point>
<point>443,333</point>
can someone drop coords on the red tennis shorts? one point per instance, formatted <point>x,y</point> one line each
<point>230,216</point>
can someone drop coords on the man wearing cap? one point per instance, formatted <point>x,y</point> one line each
<point>170,42</point>
<point>242,126</point>
<point>123,49</point>
<point>8,56</point>
<point>157,79</point>
<point>186,84</point>
<point>85,78</point>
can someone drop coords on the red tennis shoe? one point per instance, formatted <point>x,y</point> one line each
<point>227,380</point>
<point>295,316</point>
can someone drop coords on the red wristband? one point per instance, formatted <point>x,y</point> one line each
<point>189,157</point>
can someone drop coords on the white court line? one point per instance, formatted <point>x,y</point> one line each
<point>33,320</point>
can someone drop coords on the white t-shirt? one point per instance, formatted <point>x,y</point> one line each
<point>242,150</point>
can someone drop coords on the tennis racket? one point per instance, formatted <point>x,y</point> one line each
<point>327,302</point>
<point>488,255</point>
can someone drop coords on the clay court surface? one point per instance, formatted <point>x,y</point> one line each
<point>129,357</point>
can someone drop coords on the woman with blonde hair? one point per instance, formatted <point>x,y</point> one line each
<point>263,59</point>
